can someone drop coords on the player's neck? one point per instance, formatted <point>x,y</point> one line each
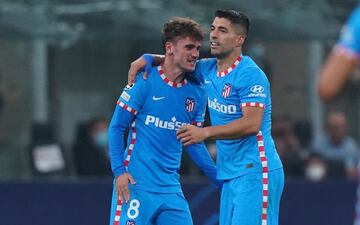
<point>227,61</point>
<point>173,72</point>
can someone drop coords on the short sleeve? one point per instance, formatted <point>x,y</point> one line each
<point>349,40</point>
<point>255,89</point>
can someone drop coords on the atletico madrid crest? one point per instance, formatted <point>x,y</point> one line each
<point>189,104</point>
<point>226,90</point>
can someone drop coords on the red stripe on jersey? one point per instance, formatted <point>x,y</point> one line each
<point>198,124</point>
<point>265,177</point>
<point>131,146</point>
<point>253,104</point>
<point>231,68</point>
<point>118,212</point>
<point>126,163</point>
<point>348,53</point>
<point>169,82</point>
<point>126,107</point>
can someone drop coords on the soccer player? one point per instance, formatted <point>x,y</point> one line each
<point>240,111</point>
<point>147,188</point>
<point>343,59</point>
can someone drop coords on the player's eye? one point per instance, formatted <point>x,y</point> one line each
<point>189,47</point>
<point>224,30</point>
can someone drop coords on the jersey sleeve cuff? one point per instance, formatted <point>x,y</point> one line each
<point>119,171</point>
<point>252,104</point>
<point>344,50</point>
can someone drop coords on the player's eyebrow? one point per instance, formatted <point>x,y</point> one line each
<point>190,46</point>
<point>222,28</point>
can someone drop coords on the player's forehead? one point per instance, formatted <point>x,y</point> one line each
<point>188,40</point>
<point>221,22</point>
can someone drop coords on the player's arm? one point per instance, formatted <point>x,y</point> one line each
<point>198,152</point>
<point>249,124</point>
<point>253,104</point>
<point>119,122</point>
<point>129,103</point>
<point>144,62</point>
<point>147,61</point>
<point>201,157</point>
<point>334,74</point>
<point>342,60</point>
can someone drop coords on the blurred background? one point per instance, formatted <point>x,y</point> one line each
<point>63,64</point>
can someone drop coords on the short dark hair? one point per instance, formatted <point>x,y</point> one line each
<point>181,27</point>
<point>235,17</point>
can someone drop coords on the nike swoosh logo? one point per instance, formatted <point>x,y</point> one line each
<point>207,82</point>
<point>157,98</point>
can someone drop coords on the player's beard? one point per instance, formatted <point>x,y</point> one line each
<point>218,54</point>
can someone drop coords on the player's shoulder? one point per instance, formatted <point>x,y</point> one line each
<point>250,70</point>
<point>194,84</point>
<point>247,63</point>
<point>151,77</point>
<point>139,82</point>
<point>196,87</point>
<point>207,62</point>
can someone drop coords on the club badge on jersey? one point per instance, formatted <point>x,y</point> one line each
<point>226,90</point>
<point>189,104</point>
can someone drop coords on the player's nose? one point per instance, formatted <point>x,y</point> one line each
<point>213,35</point>
<point>195,53</point>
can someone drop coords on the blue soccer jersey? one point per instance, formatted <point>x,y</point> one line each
<point>243,85</point>
<point>349,42</point>
<point>158,107</point>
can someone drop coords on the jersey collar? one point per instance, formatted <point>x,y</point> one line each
<point>226,72</point>
<point>169,82</point>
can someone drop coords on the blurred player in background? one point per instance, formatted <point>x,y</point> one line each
<point>343,59</point>
<point>240,110</point>
<point>147,188</point>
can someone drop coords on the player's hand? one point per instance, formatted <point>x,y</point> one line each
<point>190,134</point>
<point>122,186</point>
<point>139,65</point>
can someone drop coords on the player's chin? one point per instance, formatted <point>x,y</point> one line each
<point>215,52</point>
<point>189,67</point>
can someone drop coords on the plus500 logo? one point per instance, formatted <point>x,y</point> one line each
<point>157,122</point>
<point>214,104</point>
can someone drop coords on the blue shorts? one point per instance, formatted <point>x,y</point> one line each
<point>252,199</point>
<point>147,208</point>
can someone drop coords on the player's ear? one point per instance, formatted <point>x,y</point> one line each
<point>169,48</point>
<point>240,40</point>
